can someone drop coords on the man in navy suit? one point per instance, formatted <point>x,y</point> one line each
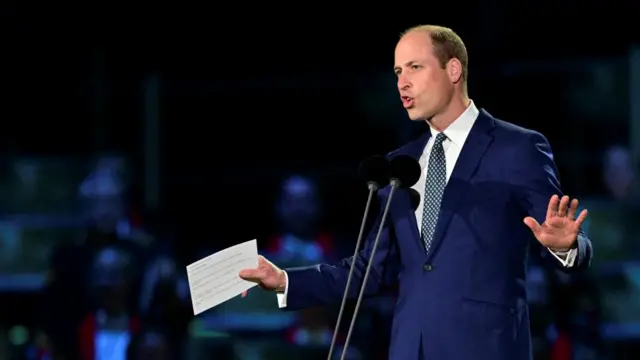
<point>489,190</point>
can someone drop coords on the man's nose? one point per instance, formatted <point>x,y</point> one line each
<point>403,83</point>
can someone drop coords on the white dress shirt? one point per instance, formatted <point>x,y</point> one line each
<point>456,134</point>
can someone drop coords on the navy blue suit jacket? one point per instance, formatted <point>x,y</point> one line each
<point>466,299</point>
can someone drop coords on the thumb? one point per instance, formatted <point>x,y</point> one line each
<point>532,224</point>
<point>252,274</point>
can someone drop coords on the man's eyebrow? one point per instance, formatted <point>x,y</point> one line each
<point>408,63</point>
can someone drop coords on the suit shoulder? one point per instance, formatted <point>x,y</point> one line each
<point>518,133</point>
<point>406,148</point>
<point>390,155</point>
<point>523,142</point>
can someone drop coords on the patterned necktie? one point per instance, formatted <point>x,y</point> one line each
<point>434,188</point>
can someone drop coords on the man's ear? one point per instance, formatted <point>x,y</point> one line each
<point>454,70</point>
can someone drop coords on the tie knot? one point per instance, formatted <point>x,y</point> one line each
<point>440,138</point>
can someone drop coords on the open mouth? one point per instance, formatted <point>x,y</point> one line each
<point>406,101</point>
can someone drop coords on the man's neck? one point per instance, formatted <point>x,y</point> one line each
<point>454,109</point>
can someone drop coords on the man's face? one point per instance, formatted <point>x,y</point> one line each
<point>425,87</point>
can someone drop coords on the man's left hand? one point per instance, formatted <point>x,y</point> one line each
<point>559,231</point>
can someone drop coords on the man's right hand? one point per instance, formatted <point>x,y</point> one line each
<point>267,275</point>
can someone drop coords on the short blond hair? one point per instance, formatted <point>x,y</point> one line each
<point>446,46</point>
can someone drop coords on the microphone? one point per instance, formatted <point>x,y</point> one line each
<point>414,198</point>
<point>404,172</point>
<point>375,172</point>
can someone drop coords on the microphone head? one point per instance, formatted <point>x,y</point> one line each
<point>414,198</point>
<point>375,170</point>
<point>405,169</point>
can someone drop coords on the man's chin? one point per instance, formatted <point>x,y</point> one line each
<point>415,115</point>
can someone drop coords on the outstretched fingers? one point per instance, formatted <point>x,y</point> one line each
<point>573,209</point>
<point>552,208</point>
<point>581,218</point>
<point>564,206</point>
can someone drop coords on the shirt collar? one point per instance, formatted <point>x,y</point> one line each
<point>458,131</point>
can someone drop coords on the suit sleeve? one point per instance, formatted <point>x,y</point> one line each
<point>323,284</point>
<point>536,177</point>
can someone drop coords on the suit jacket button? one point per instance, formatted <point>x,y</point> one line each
<point>427,267</point>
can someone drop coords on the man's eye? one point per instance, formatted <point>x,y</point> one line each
<point>415,67</point>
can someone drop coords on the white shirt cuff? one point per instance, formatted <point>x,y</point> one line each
<point>282,298</point>
<point>566,258</point>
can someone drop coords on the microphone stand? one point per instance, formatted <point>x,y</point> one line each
<point>395,183</point>
<point>373,187</point>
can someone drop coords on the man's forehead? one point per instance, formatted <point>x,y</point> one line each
<point>413,46</point>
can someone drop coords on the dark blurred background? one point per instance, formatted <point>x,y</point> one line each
<point>141,139</point>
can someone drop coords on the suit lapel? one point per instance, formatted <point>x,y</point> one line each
<point>472,152</point>
<point>416,147</point>
<point>403,214</point>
